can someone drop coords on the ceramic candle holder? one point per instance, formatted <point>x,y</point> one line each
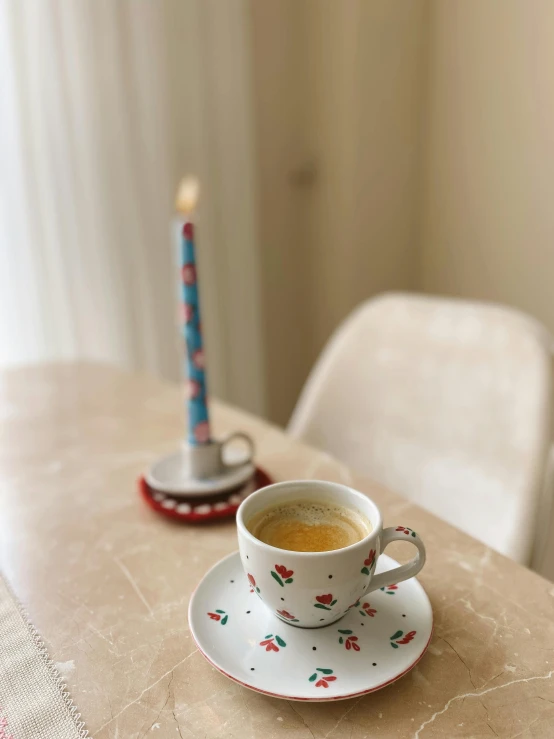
<point>204,469</point>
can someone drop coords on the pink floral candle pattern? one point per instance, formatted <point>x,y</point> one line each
<point>199,424</point>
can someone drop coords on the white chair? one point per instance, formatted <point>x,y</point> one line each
<point>448,403</point>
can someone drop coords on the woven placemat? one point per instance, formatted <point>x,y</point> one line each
<point>34,703</point>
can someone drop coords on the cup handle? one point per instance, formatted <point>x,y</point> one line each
<point>403,572</point>
<point>233,437</point>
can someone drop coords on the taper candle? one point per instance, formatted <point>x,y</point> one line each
<point>197,406</point>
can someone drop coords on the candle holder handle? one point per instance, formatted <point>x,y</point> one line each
<point>235,436</point>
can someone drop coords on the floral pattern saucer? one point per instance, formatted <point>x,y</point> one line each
<point>378,641</point>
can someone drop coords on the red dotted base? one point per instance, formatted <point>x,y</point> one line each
<point>196,509</point>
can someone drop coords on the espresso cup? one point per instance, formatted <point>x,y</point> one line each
<point>313,589</point>
<point>204,461</point>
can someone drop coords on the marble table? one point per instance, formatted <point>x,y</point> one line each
<point>107,581</point>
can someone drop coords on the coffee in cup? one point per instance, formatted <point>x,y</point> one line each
<point>309,526</point>
<point>334,536</point>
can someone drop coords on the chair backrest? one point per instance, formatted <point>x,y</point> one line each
<point>446,402</point>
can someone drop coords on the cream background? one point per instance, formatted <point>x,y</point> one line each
<point>338,108</point>
<point>104,106</point>
<point>401,146</point>
<point>344,149</point>
<point>488,220</point>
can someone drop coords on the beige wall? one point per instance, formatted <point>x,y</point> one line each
<point>283,146</point>
<point>488,225</point>
<point>430,124</point>
<point>339,85</point>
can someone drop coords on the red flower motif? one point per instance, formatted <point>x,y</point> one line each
<point>369,561</point>
<point>408,638</point>
<point>189,274</point>
<point>324,682</point>
<point>269,645</point>
<point>286,614</point>
<point>188,231</point>
<point>192,389</point>
<point>282,570</point>
<point>198,359</point>
<point>368,610</point>
<point>251,580</point>
<point>350,643</point>
<point>392,587</point>
<point>214,616</point>
<point>202,432</point>
<point>187,312</point>
<point>324,599</point>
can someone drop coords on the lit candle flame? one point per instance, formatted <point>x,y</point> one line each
<point>187,195</point>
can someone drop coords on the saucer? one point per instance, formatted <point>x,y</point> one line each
<point>208,508</point>
<point>374,644</point>
<point>169,475</point>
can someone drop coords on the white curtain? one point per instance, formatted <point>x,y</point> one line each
<point>105,105</point>
<point>85,183</point>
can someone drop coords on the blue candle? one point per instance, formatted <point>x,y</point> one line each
<point>197,406</point>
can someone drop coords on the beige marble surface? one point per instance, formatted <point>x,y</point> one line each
<point>107,582</point>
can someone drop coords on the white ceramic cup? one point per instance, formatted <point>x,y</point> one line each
<point>312,589</point>
<point>204,461</point>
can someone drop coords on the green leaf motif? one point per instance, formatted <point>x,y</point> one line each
<point>345,631</point>
<point>341,640</point>
<point>224,620</point>
<point>289,580</point>
<point>313,677</point>
<point>333,602</point>
<point>279,641</point>
<point>365,570</point>
<point>268,636</point>
<point>413,533</point>
<point>275,576</point>
<point>325,670</point>
<point>320,605</point>
<point>395,646</point>
<point>397,635</point>
<point>362,613</point>
<point>218,611</point>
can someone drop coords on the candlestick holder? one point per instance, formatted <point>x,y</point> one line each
<point>196,509</point>
<point>203,466</point>
<point>204,469</point>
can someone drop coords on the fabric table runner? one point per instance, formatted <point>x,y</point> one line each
<point>34,703</point>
